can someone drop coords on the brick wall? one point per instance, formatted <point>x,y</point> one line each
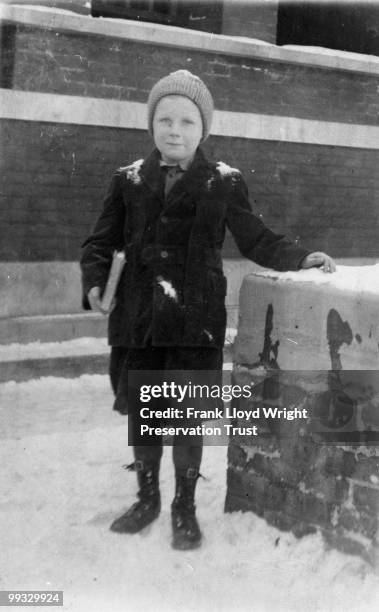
<point>299,483</point>
<point>88,65</point>
<point>49,200</point>
<point>54,175</point>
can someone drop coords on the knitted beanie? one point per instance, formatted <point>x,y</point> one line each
<point>182,83</point>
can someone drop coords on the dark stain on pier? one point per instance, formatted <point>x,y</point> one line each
<point>338,333</point>
<point>269,355</point>
<point>335,409</point>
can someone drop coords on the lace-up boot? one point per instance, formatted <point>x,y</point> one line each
<point>147,508</point>
<point>185,528</point>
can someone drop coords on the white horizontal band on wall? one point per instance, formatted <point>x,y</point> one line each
<point>54,108</point>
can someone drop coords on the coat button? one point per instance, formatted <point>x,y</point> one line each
<point>164,220</point>
<point>164,254</point>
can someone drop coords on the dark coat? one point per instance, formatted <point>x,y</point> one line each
<point>172,290</point>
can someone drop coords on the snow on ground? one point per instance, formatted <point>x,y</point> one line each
<point>78,346</point>
<point>42,350</point>
<point>64,484</point>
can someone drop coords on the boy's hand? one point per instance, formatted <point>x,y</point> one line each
<point>319,260</point>
<point>95,300</point>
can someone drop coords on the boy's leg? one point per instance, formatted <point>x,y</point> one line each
<point>187,456</point>
<point>147,458</point>
<point>187,452</point>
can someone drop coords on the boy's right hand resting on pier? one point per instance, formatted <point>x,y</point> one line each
<point>318,259</point>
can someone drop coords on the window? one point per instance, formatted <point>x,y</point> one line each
<point>204,15</point>
<point>157,11</point>
<point>344,26</point>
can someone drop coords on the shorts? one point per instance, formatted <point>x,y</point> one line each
<point>161,359</point>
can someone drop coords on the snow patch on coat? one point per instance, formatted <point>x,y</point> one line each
<point>168,289</point>
<point>225,171</point>
<point>132,171</point>
<point>208,334</point>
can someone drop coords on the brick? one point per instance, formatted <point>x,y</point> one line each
<point>336,462</point>
<point>276,470</point>
<point>347,544</point>
<point>279,519</point>
<point>370,417</point>
<point>358,522</point>
<point>331,489</point>
<point>366,498</point>
<point>308,508</point>
<point>300,452</point>
<point>251,488</point>
<point>234,503</point>
<point>274,496</point>
<point>236,455</point>
<point>220,69</point>
<point>367,469</point>
<point>284,522</point>
<point>265,443</point>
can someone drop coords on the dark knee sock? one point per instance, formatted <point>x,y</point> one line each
<point>185,457</point>
<point>149,455</point>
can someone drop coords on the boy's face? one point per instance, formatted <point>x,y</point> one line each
<point>177,128</point>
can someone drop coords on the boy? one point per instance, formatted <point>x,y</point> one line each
<point>169,213</point>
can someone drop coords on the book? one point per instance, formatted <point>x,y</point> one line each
<point>118,263</point>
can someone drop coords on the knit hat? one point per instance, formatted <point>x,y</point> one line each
<point>182,83</point>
